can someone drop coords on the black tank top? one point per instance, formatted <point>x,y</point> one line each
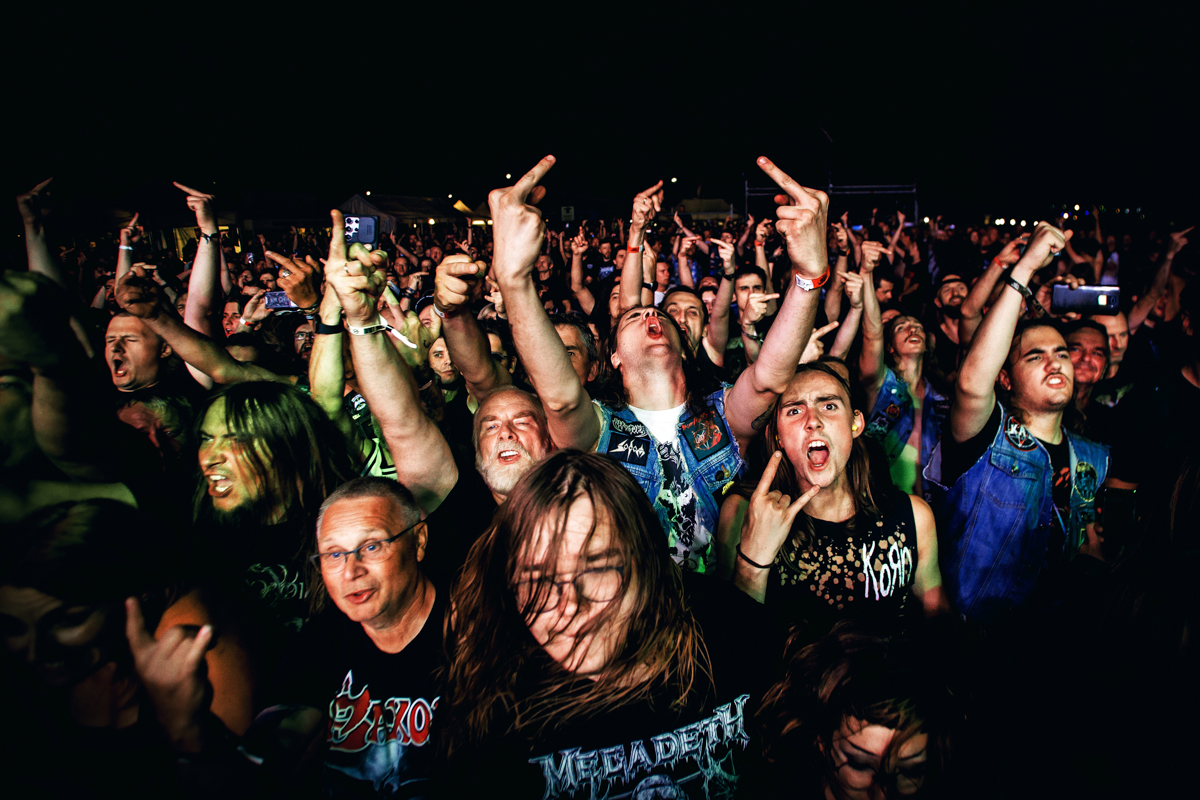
<point>826,581</point>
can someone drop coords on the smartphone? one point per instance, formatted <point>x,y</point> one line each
<point>1085,299</point>
<point>1118,515</point>
<point>856,227</point>
<point>362,230</point>
<point>278,300</point>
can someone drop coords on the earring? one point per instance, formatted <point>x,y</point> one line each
<point>854,427</point>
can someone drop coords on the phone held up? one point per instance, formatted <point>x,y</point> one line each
<point>362,230</point>
<point>1085,299</point>
<point>278,300</point>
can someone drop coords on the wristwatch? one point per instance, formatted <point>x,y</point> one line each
<point>815,283</point>
<point>375,327</point>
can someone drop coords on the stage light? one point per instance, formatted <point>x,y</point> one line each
<point>368,192</point>
<point>431,220</point>
<point>1012,222</point>
<point>1065,215</point>
<point>449,196</point>
<point>1000,222</point>
<point>508,176</point>
<point>674,180</point>
<point>1022,223</point>
<point>927,220</point>
<point>1077,206</point>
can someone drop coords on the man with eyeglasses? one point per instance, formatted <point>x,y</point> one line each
<point>353,705</point>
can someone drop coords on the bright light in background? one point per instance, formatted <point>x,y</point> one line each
<point>431,220</point>
<point>1000,222</point>
<point>449,196</point>
<point>927,219</point>
<point>508,176</point>
<point>674,180</point>
<point>489,222</point>
<point>1012,222</point>
<point>368,192</point>
<point>1065,215</point>
<point>1022,223</point>
<point>1077,206</point>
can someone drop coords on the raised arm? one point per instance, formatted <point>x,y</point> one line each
<point>741,242</point>
<point>327,366</point>
<point>579,246</point>
<point>871,369</point>
<point>975,394</point>
<point>468,345</point>
<point>700,243</point>
<point>972,307</point>
<point>130,234</point>
<point>1145,304</point>
<point>142,298</point>
<point>853,284</point>
<point>802,224</point>
<point>645,205</point>
<point>682,247</point>
<point>718,320</point>
<point>518,230</point>
<point>424,462</point>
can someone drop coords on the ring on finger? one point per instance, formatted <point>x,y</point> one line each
<point>347,268</point>
<point>283,273</point>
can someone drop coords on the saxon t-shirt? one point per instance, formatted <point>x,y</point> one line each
<point>379,707</point>
<point>648,749</point>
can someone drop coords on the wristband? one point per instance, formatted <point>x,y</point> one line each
<point>375,327</point>
<point>438,311</point>
<point>815,283</point>
<point>124,247</point>
<point>308,309</point>
<point>245,322</point>
<point>410,293</point>
<point>754,564</point>
<point>757,243</point>
<point>649,286</point>
<point>633,249</point>
<point>211,237</point>
<point>328,330</point>
<point>1031,305</point>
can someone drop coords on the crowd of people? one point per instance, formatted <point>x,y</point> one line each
<point>808,506</point>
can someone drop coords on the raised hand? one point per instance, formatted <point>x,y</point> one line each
<point>201,205</point>
<point>35,203</point>
<point>872,252</point>
<point>579,245</point>
<point>172,670</point>
<point>728,255</point>
<point>454,283</point>
<point>1011,253</point>
<point>1046,241</point>
<point>33,318</point>
<point>843,238</point>
<point>300,280</point>
<point>815,347</point>
<point>131,233</point>
<point>359,284</point>
<point>770,516</point>
<point>756,308</point>
<point>762,230</point>
<point>802,213</point>
<point>256,308</point>
<point>853,283</point>
<point>900,219</point>
<point>139,295</point>
<point>1178,240</point>
<point>517,226</point>
<point>646,204</point>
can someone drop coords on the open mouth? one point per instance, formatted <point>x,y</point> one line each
<point>1056,381</point>
<point>218,485</point>
<point>358,598</point>
<point>818,454</point>
<point>118,368</point>
<point>654,328</point>
<point>508,456</point>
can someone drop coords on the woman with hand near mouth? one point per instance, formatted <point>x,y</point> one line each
<point>858,549</point>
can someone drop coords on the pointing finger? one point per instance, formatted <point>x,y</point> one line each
<point>530,179</point>
<point>820,332</point>
<point>782,179</point>
<point>769,296</point>
<point>764,483</point>
<point>801,502</point>
<point>337,239</point>
<point>189,190</point>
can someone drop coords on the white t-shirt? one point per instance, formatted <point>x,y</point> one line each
<point>663,424</point>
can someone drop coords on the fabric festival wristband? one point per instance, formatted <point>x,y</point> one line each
<point>375,327</point>
<point>1032,305</point>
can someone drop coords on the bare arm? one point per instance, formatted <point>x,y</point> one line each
<point>427,466</point>
<point>518,231</point>
<point>579,291</point>
<point>327,369</point>
<point>700,243</point>
<point>718,321</point>
<point>871,369</point>
<point>981,292</point>
<point>927,584</point>
<point>467,344</point>
<point>854,284</point>
<point>1142,308</point>
<point>741,242</point>
<point>34,206</point>
<point>645,205</point>
<point>833,289</point>
<point>975,394</point>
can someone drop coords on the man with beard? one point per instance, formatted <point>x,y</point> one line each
<point>1018,491</point>
<point>509,425</point>
<point>952,290</point>
<point>907,408</point>
<point>1087,342</point>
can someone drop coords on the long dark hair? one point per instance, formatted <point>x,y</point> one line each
<point>308,455</point>
<point>500,680</point>
<point>870,500</point>
<point>856,672</point>
<point>699,385</point>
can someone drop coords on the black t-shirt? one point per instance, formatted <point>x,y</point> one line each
<point>647,749</point>
<point>455,525</point>
<point>379,706</point>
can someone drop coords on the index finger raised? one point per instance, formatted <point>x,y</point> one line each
<point>530,179</point>
<point>764,483</point>
<point>781,178</point>
<point>819,332</point>
<point>188,189</point>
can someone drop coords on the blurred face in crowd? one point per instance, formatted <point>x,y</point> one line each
<point>267,281</point>
<point>1117,326</point>
<point>375,593</point>
<point>181,303</point>
<point>814,425</point>
<point>727,237</point>
<point>614,301</point>
<point>1038,372</point>
<point>498,352</point>
<point>619,261</point>
<point>1089,355</point>
<point>426,316</point>
<point>709,296</point>
<point>511,437</point>
<point>589,559</point>
<point>688,311</point>
<point>908,337</point>
<point>952,293</point>
<point>230,316</point>
<point>440,363</point>
<point>62,643</point>
<point>857,755</point>
<point>745,286</point>
<point>543,265</point>
<point>606,251</point>
<point>160,424</point>
<point>662,273</point>
<point>572,339</point>
<point>230,476</point>
<point>303,339</point>
<point>134,353</point>
<point>435,255</point>
<point>883,289</point>
<point>888,315</point>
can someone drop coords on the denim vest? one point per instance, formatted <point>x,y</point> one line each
<point>891,420</point>
<point>711,458</point>
<point>994,522</point>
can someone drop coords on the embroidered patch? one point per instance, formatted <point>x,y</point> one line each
<point>705,434</point>
<point>1017,436</point>
<point>630,449</point>
<point>628,428</point>
<point>878,425</point>
<point>1086,481</point>
<point>892,411</point>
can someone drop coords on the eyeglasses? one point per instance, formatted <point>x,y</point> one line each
<point>599,585</point>
<point>368,552</point>
<point>304,337</point>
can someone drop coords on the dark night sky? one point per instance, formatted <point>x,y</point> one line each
<point>989,110</point>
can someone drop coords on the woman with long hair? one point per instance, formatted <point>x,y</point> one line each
<point>846,546</point>
<point>858,715</point>
<point>580,659</point>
